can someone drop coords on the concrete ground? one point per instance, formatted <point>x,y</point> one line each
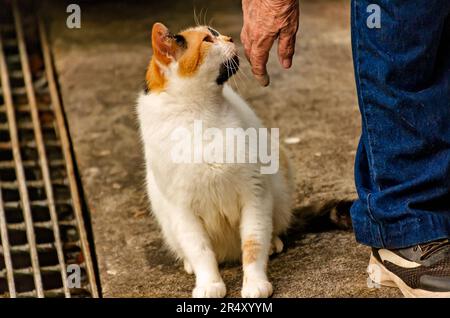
<point>101,69</point>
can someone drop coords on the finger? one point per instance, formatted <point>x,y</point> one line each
<point>246,43</point>
<point>259,55</point>
<point>245,38</point>
<point>286,48</point>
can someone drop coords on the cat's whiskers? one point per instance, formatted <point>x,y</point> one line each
<point>204,17</point>
<point>210,21</point>
<point>200,16</point>
<point>225,62</point>
<point>197,23</point>
<point>241,74</point>
<point>229,65</point>
<point>235,65</point>
<point>229,52</point>
<point>232,76</point>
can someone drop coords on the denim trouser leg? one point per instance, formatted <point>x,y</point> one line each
<point>402,169</point>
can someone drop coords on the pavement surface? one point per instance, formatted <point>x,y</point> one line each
<point>101,70</point>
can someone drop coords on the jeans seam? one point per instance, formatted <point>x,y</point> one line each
<point>364,117</point>
<point>377,223</point>
<point>363,110</point>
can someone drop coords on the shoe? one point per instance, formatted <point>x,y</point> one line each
<point>418,271</point>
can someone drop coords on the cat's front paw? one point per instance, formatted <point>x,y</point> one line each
<point>276,246</point>
<point>210,290</point>
<point>188,267</point>
<point>257,289</point>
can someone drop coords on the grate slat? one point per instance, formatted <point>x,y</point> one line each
<point>6,249</point>
<point>32,183</point>
<point>30,164</point>
<point>40,142</point>
<point>7,95</point>
<point>25,247</point>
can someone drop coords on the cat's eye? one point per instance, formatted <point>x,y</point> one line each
<point>208,38</point>
<point>180,40</point>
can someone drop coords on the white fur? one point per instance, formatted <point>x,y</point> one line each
<point>207,211</point>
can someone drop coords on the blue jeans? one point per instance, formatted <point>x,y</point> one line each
<point>402,169</point>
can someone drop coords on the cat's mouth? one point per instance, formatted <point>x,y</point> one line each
<point>228,69</point>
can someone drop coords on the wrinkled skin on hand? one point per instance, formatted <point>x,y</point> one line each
<point>264,22</point>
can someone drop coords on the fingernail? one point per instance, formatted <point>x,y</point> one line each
<point>287,63</point>
<point>263,80</point>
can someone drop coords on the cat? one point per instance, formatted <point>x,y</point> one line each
<point>209,213</point>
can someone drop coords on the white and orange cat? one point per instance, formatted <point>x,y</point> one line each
<point>209,212</point>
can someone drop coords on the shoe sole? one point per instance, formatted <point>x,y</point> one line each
<point>379,274</point>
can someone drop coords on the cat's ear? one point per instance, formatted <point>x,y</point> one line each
<point>163,43</point>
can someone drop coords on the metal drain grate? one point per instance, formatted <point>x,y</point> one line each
<point>41,223</point>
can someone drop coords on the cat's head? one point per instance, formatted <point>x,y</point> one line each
<point>199,54</point>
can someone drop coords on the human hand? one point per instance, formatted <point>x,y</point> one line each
<point>264,21</point>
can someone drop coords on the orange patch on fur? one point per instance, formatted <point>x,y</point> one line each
<point>195,53</point>
<point>163,48</point>
<point>156,82</point>
<point>189,60</point>
<point>250,251</point>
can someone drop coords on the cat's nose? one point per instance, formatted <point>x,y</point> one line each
<point>228,39</point>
